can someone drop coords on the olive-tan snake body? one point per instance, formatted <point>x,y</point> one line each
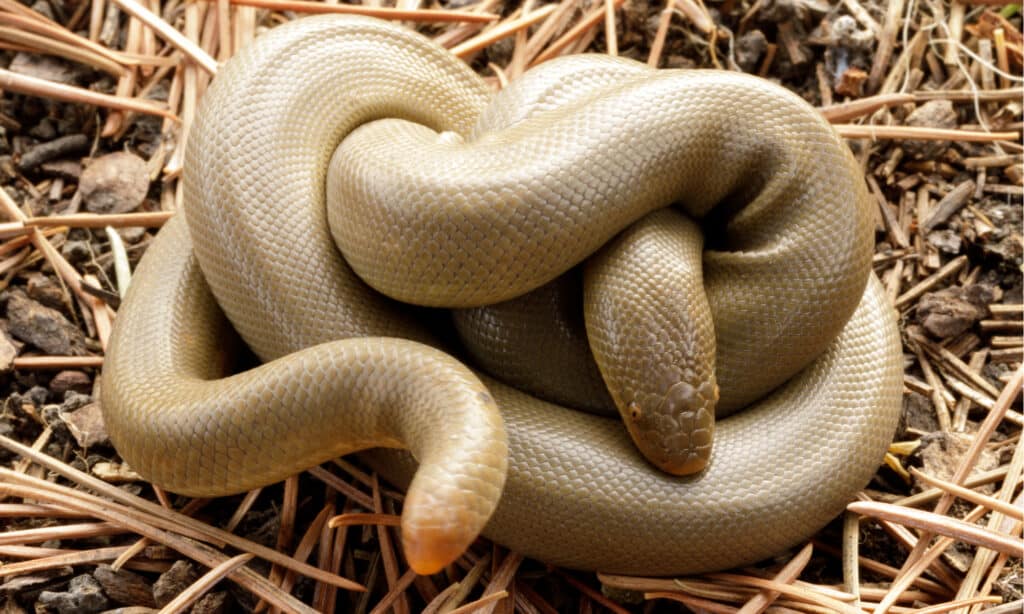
<point>458,202</point>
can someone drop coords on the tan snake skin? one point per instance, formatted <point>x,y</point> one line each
<point>509,196</point>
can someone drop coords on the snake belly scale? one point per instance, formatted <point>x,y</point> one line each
<point>433,170</point>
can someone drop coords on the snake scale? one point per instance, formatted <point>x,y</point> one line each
<point>443,194</point>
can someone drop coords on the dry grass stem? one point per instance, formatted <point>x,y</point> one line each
<point>33,86</point>
<point>939,524</point>
<point>584,25</point>
<point>864,106</point>
<point>170,34</point>
<point>502,30</point>
<point>30,363</point>
<point>853,131</point>
<point>788,574</point>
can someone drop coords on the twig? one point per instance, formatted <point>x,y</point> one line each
<point>790,572</point>
<point>854,131</point>
<point>489,37</point>
<point>170,34</point>
<point>33,86</point>
<point>865,106</point>
<point>939,524</point>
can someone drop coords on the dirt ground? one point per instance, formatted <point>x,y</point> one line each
<point>97,98</point>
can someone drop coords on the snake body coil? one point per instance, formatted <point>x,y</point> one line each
<point>440,196</point>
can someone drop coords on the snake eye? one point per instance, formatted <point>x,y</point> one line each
<point>634,411</point>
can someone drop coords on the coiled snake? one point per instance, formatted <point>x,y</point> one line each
<point>459,200</point>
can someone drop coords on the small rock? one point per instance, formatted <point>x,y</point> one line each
<point>86,425</point>
<point>36,396</point>
<point>8,352</point>
<point>45,289</point>
<point>749,49</point>
<point>932,114</point>
<point>941,454</point>
<point>919,413</point>
<point>70,380</point>
<point>45,130</point>
<point>20,585</point>
<point>114,473</point>
<point>43,327</point>
<point>180,576</point>
<point>84,596</point>
<point>132,234</point>
<point>125,587</point>
<point>778,11</point>
<point>75,400</point>
<point>946,241</point>
<point>951,311</point>
<point>114,183</point>
<point>76,251</point>
<point>212,603</point>
<point>847,33</point>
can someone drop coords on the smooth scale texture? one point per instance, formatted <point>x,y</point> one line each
<point>459,202</point>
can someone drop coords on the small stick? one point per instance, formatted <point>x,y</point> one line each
<point>865,106</point>
<point>243,508</point>
<point>1012,93</point>
<point>64,531</point>
<point>800,593</point>
<point>475,606</point>
<point>886,43</point>
<point>611,37</point>
<point>658,44</point>
<point>53,46</point>
<point>1002,59</point>
<point>951,268</point>
<point>34,86</point>
<point>170,34</point>
<point>955,25</point>
<point>584,24</point>
<point>950,204</point>
<point>788,574</point>
<point>698,16</point>
<point>489,37</point>
<point>939,524</point>
<point>427,15</point>
<point>29,363</point>
<point>970,495</point>
<point>697,603</point>
<point>396,591</point>
<point>919,133</point>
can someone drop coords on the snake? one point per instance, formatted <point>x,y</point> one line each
<point>346,178</point>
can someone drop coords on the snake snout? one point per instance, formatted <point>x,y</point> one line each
<point>675,432</point>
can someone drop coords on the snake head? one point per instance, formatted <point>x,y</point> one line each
<point>674,430</point>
